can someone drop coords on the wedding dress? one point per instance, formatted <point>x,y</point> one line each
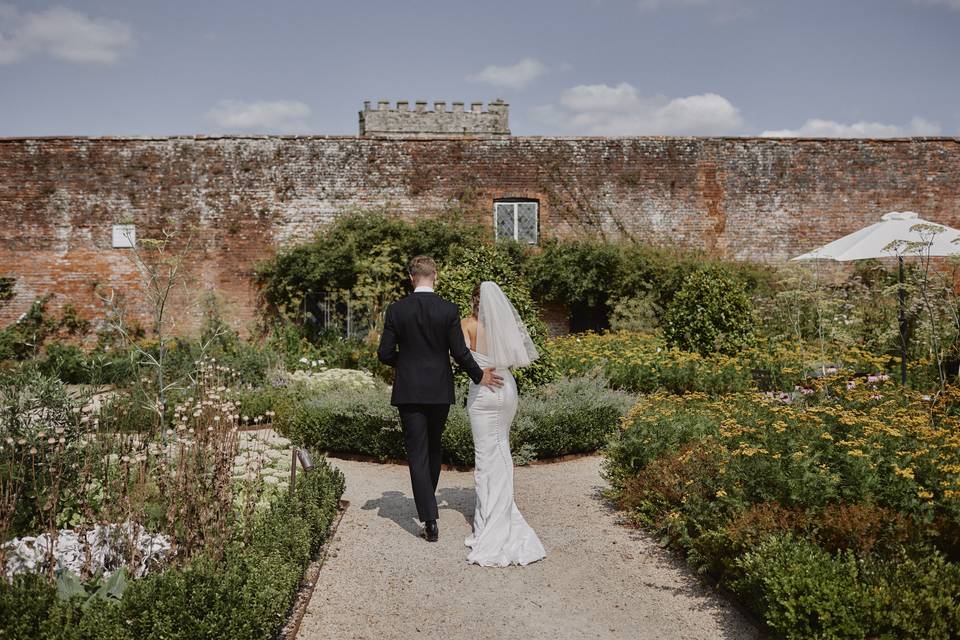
<point>501,536</point>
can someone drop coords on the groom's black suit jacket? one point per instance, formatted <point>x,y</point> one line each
<point>420,333</point>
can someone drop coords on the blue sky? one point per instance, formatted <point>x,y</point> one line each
<point>567,67</point>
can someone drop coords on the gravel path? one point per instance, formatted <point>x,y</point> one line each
<point>599,579</point>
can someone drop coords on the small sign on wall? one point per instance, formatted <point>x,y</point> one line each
<point>124,236</point>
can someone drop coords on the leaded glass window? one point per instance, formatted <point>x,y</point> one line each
<point>517,220</point>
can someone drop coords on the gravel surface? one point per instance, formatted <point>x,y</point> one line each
<point>599,580</point>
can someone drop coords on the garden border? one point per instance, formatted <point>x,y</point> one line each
<point>308,582</point>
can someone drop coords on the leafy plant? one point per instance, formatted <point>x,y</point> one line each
<point>70,586</point>
<point>469,266</point>
<point>710,314</point>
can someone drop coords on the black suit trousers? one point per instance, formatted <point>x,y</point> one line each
<point>422,429</point>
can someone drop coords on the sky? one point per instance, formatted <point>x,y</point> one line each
<point>831,68</point>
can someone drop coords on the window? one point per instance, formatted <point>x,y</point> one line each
<point>515,219</point>
<point>124,236</point>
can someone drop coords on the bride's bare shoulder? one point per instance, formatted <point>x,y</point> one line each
<point>468,323</point>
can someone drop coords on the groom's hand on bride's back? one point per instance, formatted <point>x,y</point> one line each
<point>490,379</point>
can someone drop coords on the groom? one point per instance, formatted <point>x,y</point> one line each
<point>420,333</point>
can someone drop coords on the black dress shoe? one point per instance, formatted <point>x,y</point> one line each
<point>431,531</point>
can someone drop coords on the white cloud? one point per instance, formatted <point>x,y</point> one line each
<point>817,128</point>
<point>61,33</point>
<point>600,109</point>
<point>277,115</point>
<point>514,76</point>
<point>949,4</point>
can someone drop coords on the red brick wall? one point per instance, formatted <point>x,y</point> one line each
<point>751,199</point>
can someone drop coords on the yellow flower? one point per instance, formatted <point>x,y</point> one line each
<point>925,495</point>
<point>903,473</point>
<point>721,493</point>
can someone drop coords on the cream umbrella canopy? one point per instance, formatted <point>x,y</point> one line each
<point>898,234</point>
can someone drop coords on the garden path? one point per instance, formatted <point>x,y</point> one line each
<point>600,579</point>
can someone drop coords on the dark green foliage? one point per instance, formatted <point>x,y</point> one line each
<point>581,275</point>
<point>6,288</point>
<point>245,595</point>
<point>24,338</point>
<point>348,421</point>
<point>468,267</point>
<point>457,437</point>
<point>710,314</point>
<point>257,401</point>
<point>804,592</point>
<point>67,362</point>
<point>591,277</point>
<point>329,263</point>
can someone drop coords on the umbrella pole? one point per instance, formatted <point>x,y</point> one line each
<point>902,318</point>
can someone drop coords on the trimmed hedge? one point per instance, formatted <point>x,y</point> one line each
<point>572,415</point>
<point>804,592</point>
<point>245,595</point>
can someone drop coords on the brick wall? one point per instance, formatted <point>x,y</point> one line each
<point>749,199</point>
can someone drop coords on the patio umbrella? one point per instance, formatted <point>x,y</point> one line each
<point>898,234</point>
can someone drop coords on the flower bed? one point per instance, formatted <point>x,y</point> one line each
<point>833,513</point>
<point>245,594</point>
<point>641,362</point>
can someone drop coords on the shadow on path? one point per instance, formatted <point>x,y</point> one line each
<point>396,506</point>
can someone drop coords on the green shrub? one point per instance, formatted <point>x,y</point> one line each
<point>602,283</point>
<point>257,401</point>
<point>457,437</point>
<point>710,314</point>
<point>67,362</point>
<point>636,313</point>
<point>358,421</point>
<point>468,267</point>
<point>34,407</point>
<point>24,338</point>
<point>568,416</point>
<point>571,415</point>
<point>130,412</point>
<point>804,592</point>
<point>332,261</point>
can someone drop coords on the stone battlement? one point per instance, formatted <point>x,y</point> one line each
<point>386,121</point>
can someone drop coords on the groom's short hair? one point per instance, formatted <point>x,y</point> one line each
<point>422,267</point>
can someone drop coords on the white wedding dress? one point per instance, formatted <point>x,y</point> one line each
<point>501,537</point>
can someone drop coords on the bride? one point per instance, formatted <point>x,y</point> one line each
<point>497,338</point>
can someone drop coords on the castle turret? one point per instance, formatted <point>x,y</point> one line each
<point>384,121</point>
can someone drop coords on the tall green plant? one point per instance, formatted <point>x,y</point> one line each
<point>711,313</point>
<point>468,266</point>
<point>361,252</point>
